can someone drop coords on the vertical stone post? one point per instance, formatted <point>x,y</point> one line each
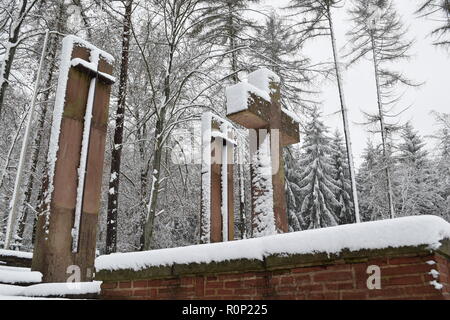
<point>65,241</point>
<point>217,213</point>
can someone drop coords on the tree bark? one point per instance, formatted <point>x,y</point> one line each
<point>383,133</point>
<point>113,194</point>
<point>348,142</point>
<point>235,79</point>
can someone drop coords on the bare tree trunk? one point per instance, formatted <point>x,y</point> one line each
<point>348,143</point>
<point>4,172</point>
<point>235,79</point>
<point>141,133</point>
<point>37,141</point>
<point>231,35</point>
<point>11,47</point>
<point>383,134</point>
<point>157,154</point>
<point>113,194</point>
<point>156,173</point>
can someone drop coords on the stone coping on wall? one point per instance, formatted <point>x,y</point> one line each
<point>15,258</point>
<point>358,243</point>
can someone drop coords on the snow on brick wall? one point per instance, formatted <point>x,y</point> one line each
<point>396,233</point>
<point>419,276</point>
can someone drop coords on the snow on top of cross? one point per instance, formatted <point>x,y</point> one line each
<point>395,233</point>
<point>291,114</point>
<point>14,253</point>
<point>261,79</point>
<point>83,43</point>
<point>238,95</point>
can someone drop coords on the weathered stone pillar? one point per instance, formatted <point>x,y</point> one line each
<point>66,228</point>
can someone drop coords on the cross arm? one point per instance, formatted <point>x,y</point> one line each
<point>91,69</point>
<point>250,107</point>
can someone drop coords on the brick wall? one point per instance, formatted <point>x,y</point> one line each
<point>404,275</point>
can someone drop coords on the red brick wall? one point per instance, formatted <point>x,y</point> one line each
<point>401,278</point>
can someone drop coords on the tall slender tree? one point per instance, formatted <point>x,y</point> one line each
<point>378,32</point>
<point>178,95</point>
<point>116,155</point>
<point>317,20</point>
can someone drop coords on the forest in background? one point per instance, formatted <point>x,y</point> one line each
<point>174,59</point>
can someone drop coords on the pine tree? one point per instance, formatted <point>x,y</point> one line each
<point>293,192</point>
<point>438,10</point>
<point>344,212</point>
<point>416,188</point>
<point>379,33</point>
<point>442,163</point>
<point>226,24</point>
<point>371,185</point>
<point>316,183</point>
<point>277,48</point>
<point>411,149</point>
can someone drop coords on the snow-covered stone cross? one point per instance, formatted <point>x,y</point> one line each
<point>217,207</point>
<point>67,224</point>
<point>256,105</point>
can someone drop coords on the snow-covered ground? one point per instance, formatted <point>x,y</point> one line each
<point>406,231</point>
<point>44,290</point>
<point>17,275</point>
<point>11,276</point>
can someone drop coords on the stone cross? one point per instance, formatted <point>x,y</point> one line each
<point>67,224</point>
<point>256,105</point>
<point>217,209</point>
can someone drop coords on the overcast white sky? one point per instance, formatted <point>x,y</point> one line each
<point>428,64</point>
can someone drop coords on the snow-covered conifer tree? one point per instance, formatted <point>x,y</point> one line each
<point>316,183</point>
<point>371,185</point>
<point>344,212</point>
<point>417,191</point>
<point>316,19</point>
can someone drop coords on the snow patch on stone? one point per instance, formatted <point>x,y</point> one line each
<point>14,253</point>
<point>238,95</point>
<point>436,285</point>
